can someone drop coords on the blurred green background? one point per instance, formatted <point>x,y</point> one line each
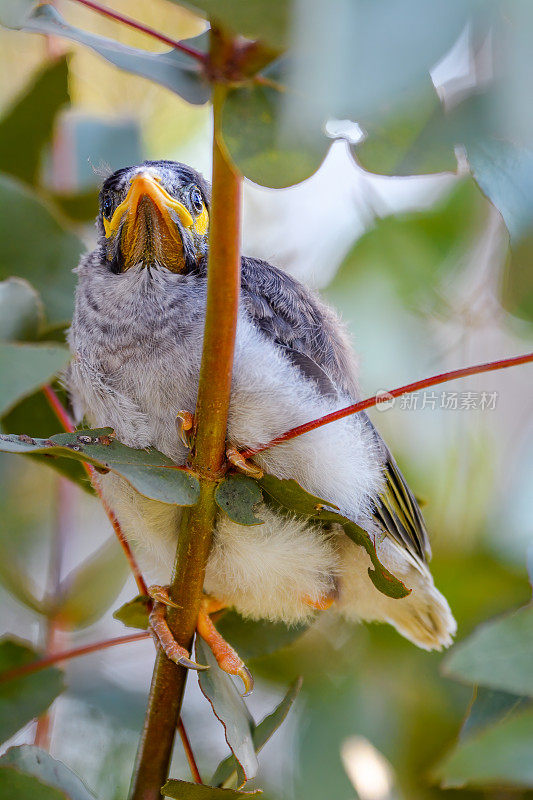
<point>418,267</point>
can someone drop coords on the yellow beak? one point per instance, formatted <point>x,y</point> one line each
<point>154,233</point>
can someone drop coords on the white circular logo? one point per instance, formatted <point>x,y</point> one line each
<point>385,400</point>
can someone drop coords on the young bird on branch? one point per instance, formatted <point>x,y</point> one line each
<point>136,340</point>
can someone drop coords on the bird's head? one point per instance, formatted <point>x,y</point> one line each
<point>154,215</point>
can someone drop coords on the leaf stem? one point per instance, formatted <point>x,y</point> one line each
<point>68,425</point>
<point>66,655</point>
<point>189,753</point>
<point>194,538</point>
<point>442,377</point>
<point>139,26</point>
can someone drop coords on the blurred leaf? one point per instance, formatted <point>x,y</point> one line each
<point>414,249</point>
<point>499,654</point>
<point>290,496</point>
<point>24,787</point>
<point>79,207</point>
<point>124,708</point>
<point>89,590</point>
<point>93,143</point>
<point>26,367</point>
<point>148,471</point>
<point>20,586</point>
<point>172,69</point>
<point>22,699</point>
<point>256,638</point>
<point>194,791</point>
<point>267,20</point>
<point>45,258</point>
<point>230,709</point>
<point>134,613</point>
<point>227,769</point>
<point>400,141</point>
<point>28,125</point>
<point>489,706</point>
<point>265,151</point>
<point>34,413</point>
<point>517,280</point>
<point>498,756</point>
<point>21,310</point>
<point>33,761</point>
<point>14,12</point>
<point>238,496</point>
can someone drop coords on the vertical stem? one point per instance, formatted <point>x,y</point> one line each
<point>194,539</point>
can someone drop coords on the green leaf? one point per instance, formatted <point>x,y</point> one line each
<point>255,638</point>
<point>227,769</point>
<point>21,586</point>
<point>26,367</point>
<point>238,496</point>
<point>489,706</point>
<point>24,787</point>
<point>79,207</point>
<point>499,654</point>
<point>34,413</point>
<point>21,310</point>
<point>90,589</point>
<point>230,709</point>
<point>402,141</point>
<point>148,471</point>
<point>22,699</point>
<point>499,756</point>
<point>172,68</point>
<point>264,149</point>
<point>32,761</point>
<point>28,125</point>
<point>134,613</point>
<point>289,495</point>
<point>182,790</point>
<point>35,247</point>
<point>267,20</point>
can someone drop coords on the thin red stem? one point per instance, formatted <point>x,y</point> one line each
<point>443,377</point>
<point>188,752</point>
<point>139,26</point>
<point>68,426</point>
<point>66,655</point>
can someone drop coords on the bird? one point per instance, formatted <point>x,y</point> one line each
<point>136,342</point>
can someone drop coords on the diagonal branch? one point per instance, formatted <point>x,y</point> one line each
<point>139,26</point>
<point>68,425</point>
<point>443,377</point>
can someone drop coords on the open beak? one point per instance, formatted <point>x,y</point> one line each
<point>147,220</point>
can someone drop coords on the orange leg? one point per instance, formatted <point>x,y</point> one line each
<point>322,603</point>
<point>227,659</point>
<point>163,634</point>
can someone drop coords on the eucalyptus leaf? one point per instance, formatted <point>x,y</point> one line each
<point>499,654</point>
<point>489,706</point>
<point>27,127</point>
<point>149,472</point>
<point>227,769</point>
<point>172,68</point>
<point>21,310</point>
<point>238,496</point>
<point>25,368</point>
<point>24,698</point>
<point>45,258</point>
<point>256,638</point>
<point>267,20</point>
<point>135,613</point>
<point>14,783</point>
<point>39,764</point>
<point>290,496</point>
<point>499,756</point>
<point>230,709</point>
<point>182,790</point>
<point>90,589</point>
<point>21,586</point>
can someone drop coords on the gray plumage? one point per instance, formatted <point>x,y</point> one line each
<point>136,339</point>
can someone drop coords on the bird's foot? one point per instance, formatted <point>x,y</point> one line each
<point>228,660</point>
<point>185,427</point>
<point>323,602</point>
<point>162,633</point>
<point>241,464</point>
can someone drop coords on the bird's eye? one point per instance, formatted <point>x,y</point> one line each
<point>107,207</point>
<point>196,199</point>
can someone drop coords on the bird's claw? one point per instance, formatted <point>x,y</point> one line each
<point>247,678</point>
<point>162,633</point>
<point>227,659</point>
<point>185,427</point>
<point>160,595</point>
<point>242,465</point>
